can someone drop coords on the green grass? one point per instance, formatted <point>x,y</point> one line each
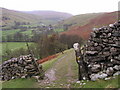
<point>112,83</point>
<point>25,25</point>
<point>31,83</point>
<point>9,32</point>
<point>19,17</point>
<point>12,46</point>
<point>59,30</point>
<point>20,83</point>
<point>80,20</point>
<point>28,32</point>
<point>49,64</point>
<point>0,48</point>
<point>12,32</point>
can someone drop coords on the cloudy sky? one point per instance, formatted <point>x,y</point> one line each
<point>70,6</point>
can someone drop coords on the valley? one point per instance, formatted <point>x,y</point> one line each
<point>46,34</point>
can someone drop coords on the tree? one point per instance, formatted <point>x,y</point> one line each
<point>18,36</point>
<point>49,45</point>
<point>69,40</point>
<point>9,38</point>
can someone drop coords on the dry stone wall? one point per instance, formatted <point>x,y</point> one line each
<point>21,67</point>
<point>102,52</point>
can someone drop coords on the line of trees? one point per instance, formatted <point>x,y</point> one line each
<point>46,45</point>
<point>17,37</point>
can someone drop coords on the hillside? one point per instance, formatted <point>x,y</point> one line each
<point>79,20</point>
<point>99,21</point>
<point>9,16</point>
<point>51,16</point>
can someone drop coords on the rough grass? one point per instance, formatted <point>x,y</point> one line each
<point>28,32</point>
<point>20,83</point>
<point>50,63</point>
<point>12,46</point>
<point>59,30</point>
<point>9,32</point>
<point>19,17</point>
<point>112,83</point>
<point>81,20</point>
<point>12,32</point>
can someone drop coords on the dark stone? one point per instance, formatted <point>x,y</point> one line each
<point>116,34</point>
<point>18,68</point>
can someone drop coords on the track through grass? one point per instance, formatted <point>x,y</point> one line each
<point>65,76</point>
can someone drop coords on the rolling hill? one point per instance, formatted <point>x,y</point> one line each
<point>8,17</point>
<point>80,25</point>
<point>79,20</point>
<point>84,30</point>
<point>51,16</point>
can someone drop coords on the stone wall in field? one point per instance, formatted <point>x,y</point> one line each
<point>21,67</point>
<point>102,52</point>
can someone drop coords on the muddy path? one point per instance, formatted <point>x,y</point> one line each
<point>63,73</point>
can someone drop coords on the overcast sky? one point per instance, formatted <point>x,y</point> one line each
<point>70,6</point>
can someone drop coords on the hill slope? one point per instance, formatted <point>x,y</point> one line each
<point>80,20</point>
<point>51,16</point>
<point>9,16</point>
<point>99,21</point>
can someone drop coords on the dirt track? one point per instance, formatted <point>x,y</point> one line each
<point>63,73</point>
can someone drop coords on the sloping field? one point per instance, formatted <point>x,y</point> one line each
<point>80,20</point>
<point>12,46</point>
<point>11,16</point>
<point>102,20</point>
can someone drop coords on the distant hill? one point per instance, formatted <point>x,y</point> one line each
<point>9,16</point>
<point>51,16</point>
<point>79,20</point>
<point>86,28</point>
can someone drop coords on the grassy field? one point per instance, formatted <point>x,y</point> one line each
<point>9,32</point>
<point>112,83</point>
<point>12,32</point>
<point>12,46</point>
<point>28,32</point>
<point>19,83</point>
<point>59,30</point>
<point>80,20</point>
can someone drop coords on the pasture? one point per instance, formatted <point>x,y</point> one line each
<point>12,46</point>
